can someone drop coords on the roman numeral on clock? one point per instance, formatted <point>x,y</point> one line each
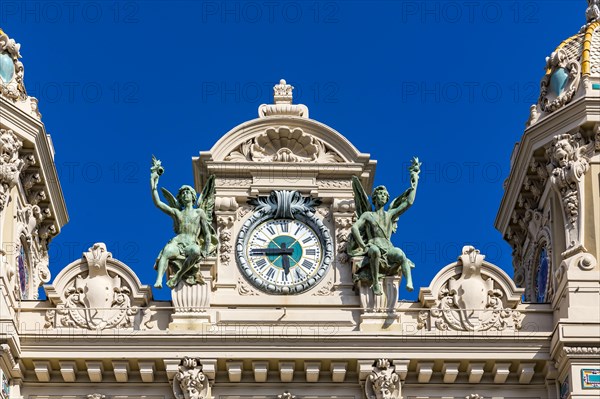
<point>311,252</point>
<point>307,240</point>
<point>271,230</point>
<point>285,226</point>
<point>270,274</point>
<point>261,263</point>
<point>308,264</point>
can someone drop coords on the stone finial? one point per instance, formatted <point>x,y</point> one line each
<point>282,92</point>
<point>593,11</point>
<point>282,95</point>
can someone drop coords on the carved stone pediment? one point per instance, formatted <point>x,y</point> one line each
<point>471,295</point>
<point>97,292</point>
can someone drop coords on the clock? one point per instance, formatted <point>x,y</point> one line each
<point>284,252</point>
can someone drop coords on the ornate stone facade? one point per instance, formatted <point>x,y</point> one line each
<point>472,334</point>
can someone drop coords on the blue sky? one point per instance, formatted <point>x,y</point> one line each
<point>448,81</point>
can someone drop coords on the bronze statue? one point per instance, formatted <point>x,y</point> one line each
<point>373,229</point>
<point>195,240</point>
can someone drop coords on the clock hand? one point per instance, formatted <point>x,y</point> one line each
<point>271,251</point>
<point>285,262</point>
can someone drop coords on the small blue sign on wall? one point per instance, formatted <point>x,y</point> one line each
<point>590,378</point>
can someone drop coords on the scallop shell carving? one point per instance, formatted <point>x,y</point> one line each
<point>284,144</point>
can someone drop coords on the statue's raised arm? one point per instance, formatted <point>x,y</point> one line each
<point>155,171</point>
<point>404,201</point>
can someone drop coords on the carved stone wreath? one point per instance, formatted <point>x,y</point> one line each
<point>291,205</point>
<point>284,144</point>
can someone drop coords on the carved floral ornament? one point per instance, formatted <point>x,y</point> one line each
<point>284,144</point>
<point>481,298</point>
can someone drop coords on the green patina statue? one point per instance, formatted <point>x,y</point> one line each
<point>372,231</point>
<point>195,240</point>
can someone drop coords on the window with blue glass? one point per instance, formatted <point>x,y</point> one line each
<point>541,276</point>
<point>23,265</point>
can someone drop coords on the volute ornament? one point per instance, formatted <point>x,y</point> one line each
<point>383,382</point>
<point>190,382</point>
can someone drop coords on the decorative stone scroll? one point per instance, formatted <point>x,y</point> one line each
<point>96,293</point>
<point>471,295</point>
<point>284,144</point>
<point>383,382</point>
<point>190,382</point>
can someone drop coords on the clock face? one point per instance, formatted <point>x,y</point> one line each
<point>284,255</point>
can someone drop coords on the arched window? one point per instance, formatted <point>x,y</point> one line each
<point>23,268</point>
<point>541,275</point>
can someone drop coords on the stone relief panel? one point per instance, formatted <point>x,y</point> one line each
<point>471,295</point>
<point>96,293</point>
<point>284,144</point>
